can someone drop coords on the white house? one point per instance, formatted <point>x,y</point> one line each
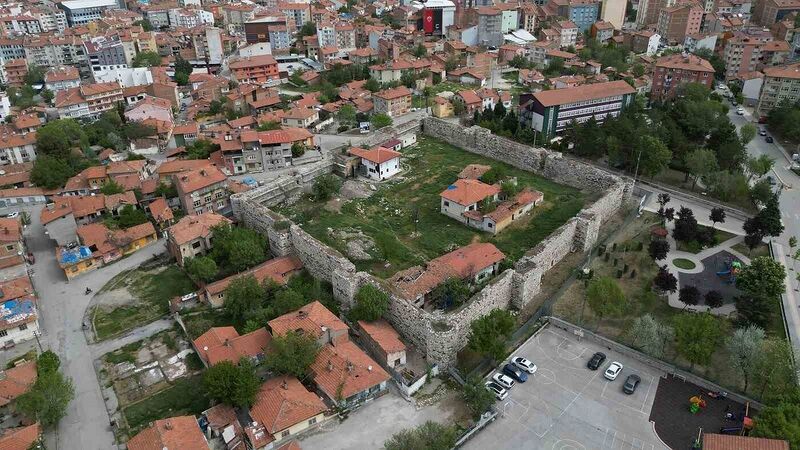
<point>464,195</point>
<point>462,201</point>
<point>378,163</point>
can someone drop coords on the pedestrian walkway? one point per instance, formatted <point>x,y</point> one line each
<point>137,334</point>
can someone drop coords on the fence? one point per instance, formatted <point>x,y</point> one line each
<point>487,418</point>
<point>792,344</point>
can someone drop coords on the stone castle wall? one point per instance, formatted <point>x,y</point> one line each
<point>441,335</point>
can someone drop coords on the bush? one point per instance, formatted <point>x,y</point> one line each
<point>325,187</point>
<point>342,128</point>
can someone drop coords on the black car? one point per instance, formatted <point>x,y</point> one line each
<point>596,361</point>
<point>515,373</point>
<point>769,139</point>
<point>630,384</point>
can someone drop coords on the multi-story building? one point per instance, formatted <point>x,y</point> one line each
<point>649,10</point>
<point>257,29</point>
<point>62,77</point>
<point>203,190</point>
<point>51,51</point>
<point>567,32</point>
<point>192,235</point>
<point>489,26</point>
<point>675,22</point>
<point>208,44</point>
<point>19,318</point>
<point>326,34</point>
<point>15,72</point>
<point>50,18</point>
<point>17,148</point>
<point>673,71</point>
<point>751,50</point>
<point>781,83</point>
<point>613,12</point>
<point>266,150</point>
<point>602,30</point>
<point>345,36</point>
<point>20,24</point>
<point>582,13</point>
<point>529,14</point>
<point>235,15</point>
<point>296,13</point>
<point>257,69</point>
<point>81,12</point>
<point>551,112</point>
<point>88,100</point>
<point>105,53</point>
<point>300,117</point>
<point>767,12</point>
<point>392,102</point>
<point>157,15</point>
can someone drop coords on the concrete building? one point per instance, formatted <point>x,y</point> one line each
<point>17,148</point>
<point>383,341</point>
<point>19,317</point>
<point>676,22</point>
<point>105,53</point>
<point>551,112</point>
<point>392,102</point>
<point>258,69</point>
<point>81,12</point>
<point>203,190</point>
<point>278,270</point>
<point>60,78</point>
<point>613,12</point>
<point>15,72</point>
<point>767,12</point>
<point>88,100</point>
<point>673,71</point>
<point>567,33</point>
<point>260,151</point>
<point>300,117</point>
<point>781,83</point>
<point>649,10</point>
<point>489,26</point>
<point>752,50</point>
<point>378,163</point>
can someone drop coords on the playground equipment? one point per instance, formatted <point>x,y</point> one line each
<point>696,403</point>
<point>732,269</point>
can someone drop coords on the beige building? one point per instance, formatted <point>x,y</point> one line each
<point>392,102</point>
<point>780,83</point>
<point>191,236</point>
<point>300,117</point>
<point>613,12</point>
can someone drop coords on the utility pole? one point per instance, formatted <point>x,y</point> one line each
<point>636,172</point>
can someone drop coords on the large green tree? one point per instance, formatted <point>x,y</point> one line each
<point>233,384</point>
<point>147,59</point>
<point>745,347</point>
<point>57,138</point>
<point>605,297</point>
<point>697,336</point>
<point>202,268</point>
<point>780,421</point>
<point>476,396</point>
<point>764,277</point>
<point>50,173</point>
<point>655,158</point>
<point>371,304</point>
<point>237,248</point>
<point>243,296</point>
<point>488,334</point>
<point>48,398</point>
<point>428,436</point>
<point>700,163</point>
<point>292,354</point>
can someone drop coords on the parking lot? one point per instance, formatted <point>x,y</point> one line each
<point>565,406</point>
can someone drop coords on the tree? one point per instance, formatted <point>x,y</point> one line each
<point>371,304</point>
<point>197,327</point>
<point>780,421</point>
<point>145,24</point>
<point>488,334</point>
<point>380,121</point>
<point>48,398</point>
<point>47,362</point>
<point>269,126</point>
<point>298,150</point>
<point>605,297</point>
<point>420,50</point>
<point>47,95</point>
<point>717,216</point>
<point>428,436</point>
<point>235,385</point>
<point>761,191</point>
<point>130,216</point>
<point>638,70</point>
<point>689,295</point>
<point>184,69</point>
<point>243,296</point>
<point>758,166</point>
<point>763,277</point>
<point>700,163</point>
<point>308,29</point>
<point>58,137</point>
<point>50,173</point>
<point>663,199</point>
<point>499,111</point>
<point>685,226</point>
<point>476,396</point>
<point>775,374</point>
<point>744,347</point>
<point>452,292</point>
<point>650,335</point>
<point>237,248</point>
<point>285,301</point>
<point>713,299</point>
<point>656,158</point>
<point>147,59</point>
<point>747,132</point>
<point>658,249</point>
<point>292,354</point>
<point>372,85</point>
<point>770,218</point>
<point>325,186</point>
<point>35,75</point>
<point>346,115</point>
<point>755,310</point>
<point>726,185</point>
<point>111,188</point>
<point>665,281</point>
<point>202,268</point>
<point>697,336</point>
<point>201,149</point>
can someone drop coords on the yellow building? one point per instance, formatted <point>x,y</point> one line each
<point>441,107</point>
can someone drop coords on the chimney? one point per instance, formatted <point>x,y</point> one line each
<point>349,366</point>
<point>285,385</point>
<point>167,425</point>
<point>330,366</point>
<point>369,368</point>
<point>50,206</point>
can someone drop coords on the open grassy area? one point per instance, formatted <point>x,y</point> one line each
<point>683,263</point>
<point>151,290</point>
<point>185,397</point>
<point>761,250</point>
<point>388,216</point>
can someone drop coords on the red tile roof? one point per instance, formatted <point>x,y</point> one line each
<point>344,370</point>
<point>224,344</point>
<point>382,332</point>
<point>174,433</point>
<point>466,192</point>
<point>585,92</point>
<point>193,180</point>
<point>277,269</point>
<point>728,442</point>
<point>377,155</point>
<point>161,211</point>
<point>311,318</point>
<point>20,438</point>
<point>283,402</point>
<point>17,381</point>
<point>285,135</point>
<point>196,226</point>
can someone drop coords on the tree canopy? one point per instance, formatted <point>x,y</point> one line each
<point>428,436</point>
<point>605,297</point>
<point>763,277</point>
<point>488,334</point>
<point>292,354</point>
<point>371,304</point>
<point>243,296</point>
<point>697,336</point>
<point>233,384</point>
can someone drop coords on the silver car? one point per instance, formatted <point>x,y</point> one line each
<point>503,380</point>
<point>524,364</point>
<point>499,392</point>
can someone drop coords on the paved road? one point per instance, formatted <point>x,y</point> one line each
<point>86,425</point>
<point>790,210</point>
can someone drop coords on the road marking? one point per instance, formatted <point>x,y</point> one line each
<point>650,386</point>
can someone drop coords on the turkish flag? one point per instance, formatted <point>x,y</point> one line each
<point>427,20</point>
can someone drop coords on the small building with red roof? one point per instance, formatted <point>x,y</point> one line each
<point>383,341</point>
<point>285,408</point>
<point>172,433</point>
<point>313,319</point>
<point>279,270</point>
<point>225,344</point>
<point>378,163</point>
<point>192,235</point>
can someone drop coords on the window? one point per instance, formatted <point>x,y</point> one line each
<point>23,327</point>
<point>196,245</point>
<point>10,247</point>
<point>3,333</point>
<point>196,203</point>
<point>285,433</point>
<point>446,203</point>
<point>312,421</point>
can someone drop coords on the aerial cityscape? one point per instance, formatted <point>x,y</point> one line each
<point>399,224</point>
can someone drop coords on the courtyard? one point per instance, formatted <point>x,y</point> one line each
<point>400,224</point>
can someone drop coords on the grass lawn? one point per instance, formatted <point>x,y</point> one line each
<point>761,250</point>
<point>185,397</point>
<point>683,263</point>
<point>387,217</point>
<point>152,288</point>
<point>720,236</point>
<point>451,86</point>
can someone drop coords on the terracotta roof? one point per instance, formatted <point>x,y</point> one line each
<point>466,192</point>
<point>10,230</point>
<point>220,416</point>
<point>300,113</point>
<point>99,88</point>
<point>283,402</point>
<point>311,318</point>
<point>17,381</point>
<point>293,445</point>
<point>186,128</point>
<point>382,332</point>
<point>173,433</point>
<point>685,62</point>
<point>283,136</point>
<point>192,227</point>
<point>391,94</point>
<point>344,370</point>
<point>179,165</point>
<point>585,92</point>
<point>729,442</point>
<point>787,71</point>
<point>277,269</point>
<point>377,155</point>
<point>469,97</point>
<point>161,211</point>
<point>225,344</point>
<point>474,171</point>
<point>20,438</point>
<point>254,61</point>
<point>194,180</point>
<point>507,208</point>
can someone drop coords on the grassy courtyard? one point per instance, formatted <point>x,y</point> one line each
<point>403,220</point>
<point>185,397</point>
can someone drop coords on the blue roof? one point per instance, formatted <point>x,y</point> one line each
<point>13,308</point>
<point>71,256</point>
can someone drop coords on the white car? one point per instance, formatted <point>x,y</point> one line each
<point>499,392</point>
<point>13,215</point>
<point>524,364</point>
<point>503,380</point>
<point>762,132</point>
<point>740,111</point>
<point>613,371</point>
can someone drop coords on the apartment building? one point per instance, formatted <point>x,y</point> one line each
<point>675,22</point>
<point>17,148</point>
<point>613,12</point>
<point>192,235</point>
<point>392,102</point>
<point>62,77</point>
<point>259,151</point>
<point>256,69</point>
<point>81,12</point>
<point>105,53</point>
<point>567,33</point>
<point>649,10</point>
<point>582,13</point>
<point>203,190</point>
<point>16,70</point>
<point>88,99</point>
<point>781,83</point>
<point>551,112</point>
<point>767,12</point>
<point>673,71</point>
<point>489,26</point>
<point>751,50</point>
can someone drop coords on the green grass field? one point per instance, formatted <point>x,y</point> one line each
<point>388,216</point>
<point>185,397</point>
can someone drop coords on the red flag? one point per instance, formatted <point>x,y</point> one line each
<point>427,20</point>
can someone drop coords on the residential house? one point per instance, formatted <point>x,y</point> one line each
<point>225,344</point>
<point>285,408</point>
<point>265,150</point>
<point>88,100</point>
<point>378,163</point>
<point>19,315</point>
<point>14,382</point>
<point>203,190</point>
<point>567,32</point>
<point>184,134</point>
<point>300,117</point>
<point>781,83</point>
<point>22,437</point>
<point>676,22</point>
<point>314,320</point>
<point>464,201</point>
<point>17,148</point>
<point>62,77</point>
<point>752,50</point>
<point>392,102</point>
<point>347,375</point>
<point>712,441</point>
<point>602,31</point>
<point>173,433</point>
<point>470,100</point>
<point>384,342</point>
<point>442,107</point>
<point>674,71</point>
<point>100,246</point>
<point>475,263</point>
<point>192,235</point>
<point>279,270</point>
<point>62,216</point>
<point>11,242</point>
<point>257,69</point>
<point>161,213</point>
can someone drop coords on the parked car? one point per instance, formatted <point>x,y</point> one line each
<point>740,111</point>
<point>515,373</point>
<point>12,215</point>
<point>524,364</point>
<point>596,360</point>
<point>762,132</point>
<point>503,380</point>
<point>769,139</point>
<point>631,383</point>
<point>771,180</point>
<point>613,371</point>
<point>497,390</point>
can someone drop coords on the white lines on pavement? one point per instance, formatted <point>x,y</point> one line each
<point>617,440</point>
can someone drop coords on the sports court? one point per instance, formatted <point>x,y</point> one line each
<point>566,406</point>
